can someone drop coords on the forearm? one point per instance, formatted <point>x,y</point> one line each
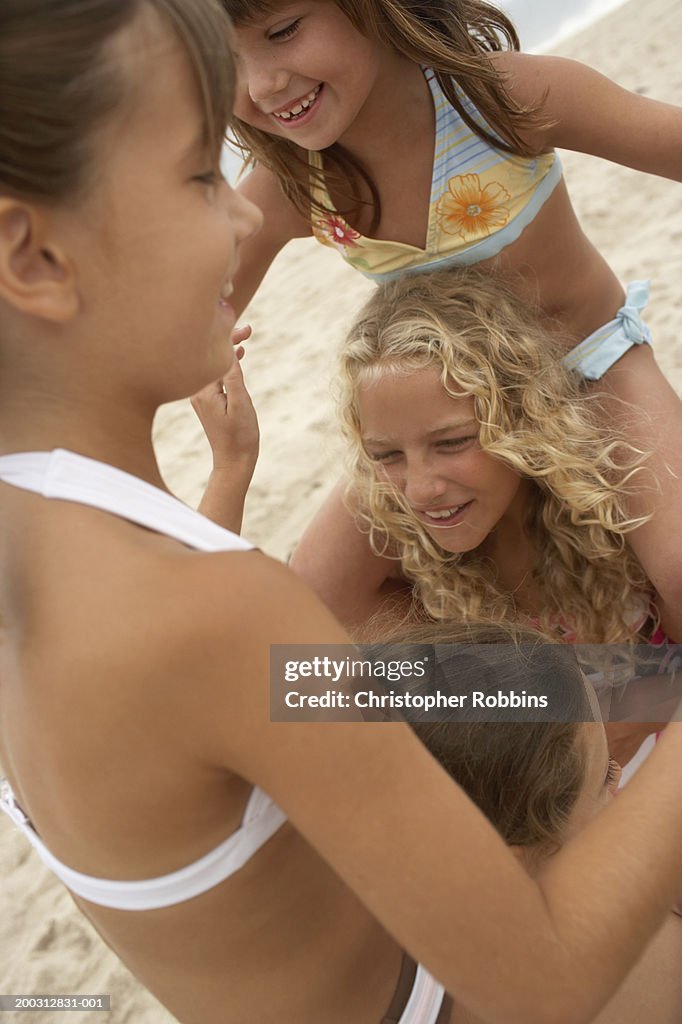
<point>225,494</point>
<point>634,884</point>
<point>652,991</point>
<point>436,875</point>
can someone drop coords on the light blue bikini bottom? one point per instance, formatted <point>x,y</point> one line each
<point>604,347</point>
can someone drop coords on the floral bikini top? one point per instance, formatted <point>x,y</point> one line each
<point>482,198</point>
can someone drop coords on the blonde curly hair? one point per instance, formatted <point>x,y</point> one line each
<point>534,417</point>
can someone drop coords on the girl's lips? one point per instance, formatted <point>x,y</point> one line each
<point>227,311</point>
<point>304,117</point>
<point>443,522</point>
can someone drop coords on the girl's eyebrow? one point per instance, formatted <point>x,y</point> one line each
<point>453,425</point>
<point>446,428</point>
<point>376,440</point>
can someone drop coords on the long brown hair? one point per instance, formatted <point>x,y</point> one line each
<point>57,87</point>
<point>453,37</point>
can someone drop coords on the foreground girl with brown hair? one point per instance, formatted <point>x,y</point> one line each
<point>243,870</point>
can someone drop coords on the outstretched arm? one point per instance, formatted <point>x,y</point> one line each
<point>413,848</point>
<point>591,114</point>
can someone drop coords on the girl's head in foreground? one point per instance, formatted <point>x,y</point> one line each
<point>115,225</point>
<point>538,782</point>
<point>469,441</point>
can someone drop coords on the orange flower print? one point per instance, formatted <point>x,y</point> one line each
<point>336,232</point>
<point>469,210</point>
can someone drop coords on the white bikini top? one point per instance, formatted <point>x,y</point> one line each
<point>64,475</point>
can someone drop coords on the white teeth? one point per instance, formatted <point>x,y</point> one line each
<point>302,105</point>
<point>445,514</point>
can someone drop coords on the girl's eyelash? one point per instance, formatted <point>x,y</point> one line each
<point>208,177</point>
<point>381,456</point>
<point>284,33</point>
<point>455,442</point>
<point>450,442</point>
<point>612,772</point>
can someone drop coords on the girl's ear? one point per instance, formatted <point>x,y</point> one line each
<point>36,276</point>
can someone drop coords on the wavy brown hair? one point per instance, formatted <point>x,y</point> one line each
<point>454,38</point>
<point>533,416</point>
<point>525,776</point>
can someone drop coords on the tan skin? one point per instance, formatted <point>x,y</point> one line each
<point>135,671</point>
<point>415,470</point>
<point>553,263</point>
<point>653,989</point>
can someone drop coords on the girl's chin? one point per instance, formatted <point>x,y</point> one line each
<point>457,540</point>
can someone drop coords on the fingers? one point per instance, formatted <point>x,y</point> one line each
<point>239,335</point>
<point>235,389</point>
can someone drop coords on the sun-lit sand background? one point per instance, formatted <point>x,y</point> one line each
<point>299,316</point>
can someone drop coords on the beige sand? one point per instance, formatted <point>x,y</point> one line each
<point>299,317</point>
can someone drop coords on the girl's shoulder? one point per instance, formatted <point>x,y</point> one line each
<point>529,77</point>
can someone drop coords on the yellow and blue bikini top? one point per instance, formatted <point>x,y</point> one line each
<point>482,198</point>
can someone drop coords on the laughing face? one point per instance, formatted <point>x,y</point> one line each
<point>426,443</point>
<point>159,238</point>
<point>305,73</point>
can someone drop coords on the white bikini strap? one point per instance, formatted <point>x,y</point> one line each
<point>426,1000</point>
<point>71,477</point>
<point>152,893</point>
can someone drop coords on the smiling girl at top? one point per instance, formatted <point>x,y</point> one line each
<point>406,136</point>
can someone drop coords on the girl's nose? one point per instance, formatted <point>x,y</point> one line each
<point>264,81</point>
<point>422,485</point>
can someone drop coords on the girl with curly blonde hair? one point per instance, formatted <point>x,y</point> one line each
<point>478,462</point>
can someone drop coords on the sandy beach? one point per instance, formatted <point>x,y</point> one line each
<point>299,317</point>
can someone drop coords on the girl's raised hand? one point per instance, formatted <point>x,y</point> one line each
<point>229,420</point>
<point>239,335</point>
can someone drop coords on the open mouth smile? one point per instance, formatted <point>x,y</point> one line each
<point>299,110</point>
<point>444,517</point>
